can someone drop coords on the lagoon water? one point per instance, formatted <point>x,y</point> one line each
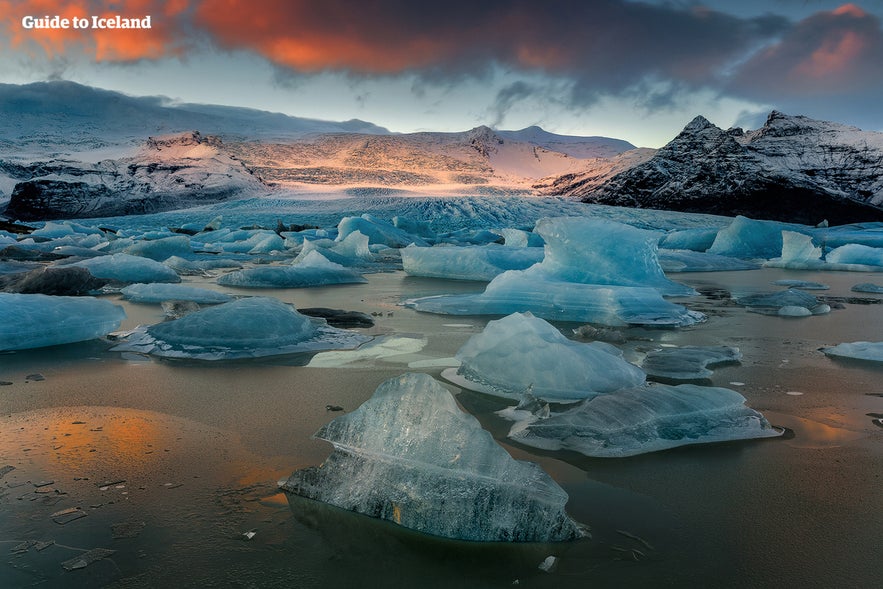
<point>174,465</point>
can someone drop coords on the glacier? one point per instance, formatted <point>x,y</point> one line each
<point>251,327</point>
<point>645,419</point>
<point>313,270</point>
<point>37,320</point>
<point>520,353</point>
<point>411,456</point>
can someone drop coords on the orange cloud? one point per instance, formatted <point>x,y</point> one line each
<point>161,40</point>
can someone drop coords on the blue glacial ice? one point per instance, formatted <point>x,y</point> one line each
<point>644,419</point>
<point>867,287</point>
<point>593,271</point>
<point>252,327</point>
<point>697,240</point>
<point>690,261</point>
<point>799,252</point>
<point>378,231</point>
<point>36,320</point>
<point>521,353</point>
<point>161,249</point>
<point>313,270</point>
<point>353,251</point>
<point>688,362</point>
<point>409,455</point>
<point>872,351</point>
<point>787,303</point>
<point>200,266</point>
<point>128,268</point>
<point>475,262</point>
<point>749,238</point>
<point>157,293</point>
<point>856,254</point>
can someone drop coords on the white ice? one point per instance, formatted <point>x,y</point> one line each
<point>411,456</point>
<point>246,328</point>
<point>157,293</point>
<point>645,419</point>
<point>36,320</point>
<point>313,270</point>
<point>520,353</point>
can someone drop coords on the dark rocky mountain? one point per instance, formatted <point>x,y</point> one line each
<point>792,169</point>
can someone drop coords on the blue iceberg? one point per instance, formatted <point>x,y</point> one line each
<point>128,268</point>
<point>157,293</point>
<point>872,351</point>
<point>478,262</point>
<point>313,270</point>
<point>411,456</point>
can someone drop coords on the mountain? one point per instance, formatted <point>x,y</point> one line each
<point>168,172</point>
<point>793,169</point>
<point>572,145</point>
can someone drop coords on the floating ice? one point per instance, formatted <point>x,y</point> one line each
<point>688,362</point>
<point>867,287</point>
<point>352,251</point>
<point>589,273</point>
<point>520,238</point>
<point>853,253</point>
<point>410,456</point>
<point>786,303</point>
<point>690,261</point>
<point>52,280</point>
<point>160,249</point>
<point>200,266</point>
<point>857,350</point>
<point>157,293</point>
<point>522,352</point>
<point>798,251</point>
<point>645,419</point>
<point>246,328</point>
<point>377,231</point>
<point>747,238</point>
<point>802,284</point>
<point>36,320</point>
<point>478,262</point>
<point>413,226</point>
<point>697,240</point>
<point>128,268</point>
<point>313,270</point>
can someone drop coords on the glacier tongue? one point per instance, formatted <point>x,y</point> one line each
<point>411,456</point>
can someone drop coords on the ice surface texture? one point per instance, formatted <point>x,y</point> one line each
<point>645,419</point>
<point>522,352</point>
<point>480,262</point>
<point>36,320</point>
<point>578,251</point>
<point>688,362</point>
<point>313,270</point>
<point>409,455</point>
<point>157,293</point>
<point>872,351</point>
<point>246,328</point>
<point>128,268</point>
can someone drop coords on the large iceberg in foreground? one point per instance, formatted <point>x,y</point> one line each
<point>872,351</point>
<point>411,456</point>
<point>522,353</point>
<point>246,328</point>
<point>645,419</point>
<point>313,270</point>
<point>36,320</point>
<point>593,271</point>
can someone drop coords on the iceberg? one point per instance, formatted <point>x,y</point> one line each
<point>353,251</point>
<point>377,231</point>
<point>128,268</point>
<point>697,240</point>
<point>802,284</point>
<point>157,293</point>
<point>592,271</point>
<point>52,280</point>
<point>200,266</point>
<point>690,261</point>
<point>867,287</point>
<point>854,253</point>
<point>252,327</point>
<point>160,249</point>
<point>872,351</point>
<point>37,320</point>
<point>411,456</point>
<point>748,238</point>
<point>313,270</point>
<point>790,303</point>
<point>478,262</point>
<point>522,353</point>
<point>645,419</point>
<point>688,362</point>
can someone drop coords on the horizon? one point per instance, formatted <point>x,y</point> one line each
<point>637,71</point>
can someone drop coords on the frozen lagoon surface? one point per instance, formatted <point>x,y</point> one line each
<point>195,451</point>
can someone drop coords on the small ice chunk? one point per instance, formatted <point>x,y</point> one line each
<point>794,311</point>
<point>868,287</point>
<point>411,456</point>
<point>872,351</point>
<point>772,303</point>
<point>245,328</point>
<point>313,270</point>
<point>36,320</point>
<point>802,284</point>
<point>645,419</point>
<point>157,293</point>
<point>127,268</point>
<point>547,564</point>
<point>521,351</point>
<point>688,362</point>
<point>87,558</point>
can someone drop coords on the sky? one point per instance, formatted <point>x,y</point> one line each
<point>632,70</point>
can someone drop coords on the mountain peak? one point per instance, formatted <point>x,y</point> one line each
<point>699,123</point>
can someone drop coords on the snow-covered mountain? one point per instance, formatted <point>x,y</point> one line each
<point>572,145</point>
<point>793,168</point>
<point>167,172</point>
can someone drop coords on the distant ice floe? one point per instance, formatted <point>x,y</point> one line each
<point>157,293</point>
<point>802,284</point>
<point>787,303</point>
<point>868,287</point>
<point>642,419</point>
<point>36,320</point>
<point>246,328</point>
<point>409,455</point>
<point>593,271</point>
<point>313,270</point>
<point>688,362</point>
<point>479,262</point>
<point>128,268</point>
<point>872,351</point>
<point>524,353</point>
